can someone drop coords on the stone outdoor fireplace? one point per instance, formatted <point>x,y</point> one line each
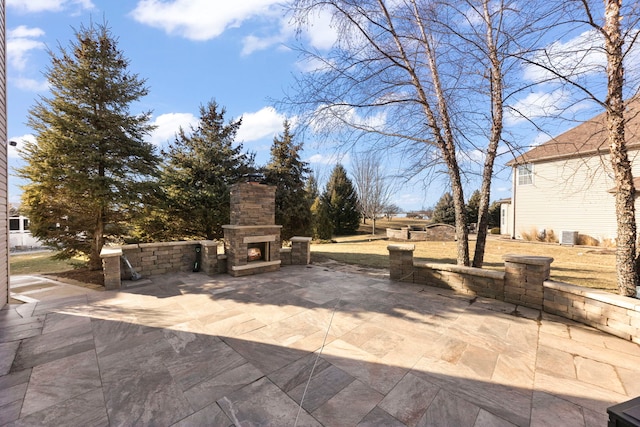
<point>252,240</point>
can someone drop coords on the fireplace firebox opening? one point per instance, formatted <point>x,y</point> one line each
<point>258,251</point>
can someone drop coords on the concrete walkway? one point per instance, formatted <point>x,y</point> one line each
<point>189,349</point>
<point>37,288</point>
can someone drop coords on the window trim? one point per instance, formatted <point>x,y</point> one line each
<point>14,225</point>
<point>525,174</point>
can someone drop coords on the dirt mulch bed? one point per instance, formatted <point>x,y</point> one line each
<point>80,277</point>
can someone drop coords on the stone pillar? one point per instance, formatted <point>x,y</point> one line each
<point>524,278</point>
<point>401,262</point>
<point>111,267</point>
<point>301,250</point>
<point>209,256</point>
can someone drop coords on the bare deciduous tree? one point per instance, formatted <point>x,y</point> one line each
<point>390,210</point>
<point>426,76</point>
<point>373,187</point>
<point>625,189</point>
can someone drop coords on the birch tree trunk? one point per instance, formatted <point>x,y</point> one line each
<point>497,111</point>
<point>625,190</point>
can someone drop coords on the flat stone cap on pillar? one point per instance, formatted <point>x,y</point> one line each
<point>301,239</point>
<point>109,252</point>
<point>401,248</point>
<point>528,259</point>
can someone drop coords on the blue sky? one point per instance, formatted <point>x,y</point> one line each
<point>192,51</point>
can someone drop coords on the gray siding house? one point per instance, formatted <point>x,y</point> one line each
<point>566,184</point>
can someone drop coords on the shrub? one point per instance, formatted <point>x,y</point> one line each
<point>531,235</point>
<point>551,237</point>
<point>539,235</point>
<point>608,243</point>
<point>495,230</point>
<point>586,240</point>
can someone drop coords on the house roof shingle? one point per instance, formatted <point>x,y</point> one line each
<point>587,138</point>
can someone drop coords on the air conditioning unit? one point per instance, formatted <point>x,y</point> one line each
<point>568,237</point>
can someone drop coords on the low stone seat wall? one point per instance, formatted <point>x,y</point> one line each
<point>150,259</point>
<point>615,314</point>
<point>524,281</point>
<point>428,233</point>
<point>468,280</point>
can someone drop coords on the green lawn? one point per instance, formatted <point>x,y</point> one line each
<point>580,265</point>
<point>40,263</point>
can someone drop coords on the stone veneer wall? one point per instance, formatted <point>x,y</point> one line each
<point>615,314</point>
<point>149,259</point>
<point>525,281</point>
<point>430,233</point>
<point>253,204</point>
<point>236,242</point>
<point>300,250</point>
<point>467,280</point>
<point>398,233</point>
<point>253,217</point>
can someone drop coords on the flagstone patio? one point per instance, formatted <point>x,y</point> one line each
<point>304,346</point>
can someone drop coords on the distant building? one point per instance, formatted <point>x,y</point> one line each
<point>19,235</point>
<point>506,217</point>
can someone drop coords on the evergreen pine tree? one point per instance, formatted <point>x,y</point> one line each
<point>494,215</point>
<point>342,202</point>
<point>444,212</point>
<point>313,198</point>
<point>199,169</point>
<point>322,225</point>
<point>311,189</point>
<point>287,173</point>
<point>472,207</point>
<point>90,165</point>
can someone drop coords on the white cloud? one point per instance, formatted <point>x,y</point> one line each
<point>582,55</point>
<point>47,5</point>
<point>263,123</point>
<point>536,105</point>
<point>20,41</point>
<point>338,116</point>
<point>476,156</point>
<point>540,138</point>
<point>320,33</point>
<point>329,159</point>
<point>552,104</point>
<point>30,85</point>
<point>632,58</point>
<point>253,43</point>
<point>410,201</point>
<point>308,65</point>
<point>20,140</point>
<point>200,19</point>
<point>169,124</point>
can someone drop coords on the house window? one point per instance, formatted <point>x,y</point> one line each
<point>525,174</point>
<point>14,224</point>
